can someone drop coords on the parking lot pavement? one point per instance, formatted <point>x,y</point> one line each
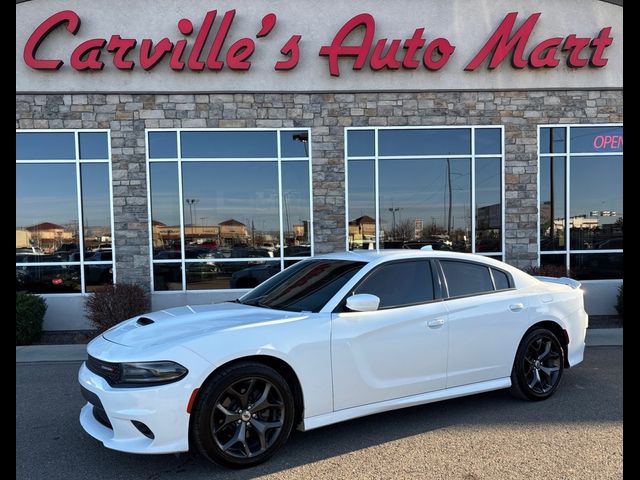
<point>576,434</point>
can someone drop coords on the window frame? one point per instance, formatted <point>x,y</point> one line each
<point>179,160</point>
<point>472,156</point>
<point>437,285</point>
<point>77,161</point>
<point>445,285</point>
<point>567,252</point>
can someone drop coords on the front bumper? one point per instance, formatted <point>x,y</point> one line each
<point>163,409</point>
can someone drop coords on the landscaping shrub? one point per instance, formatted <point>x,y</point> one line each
<point>549,271</point>
<point>30,310</point>
<point>115,303</point>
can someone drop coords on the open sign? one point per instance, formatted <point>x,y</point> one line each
<point>601,142</point>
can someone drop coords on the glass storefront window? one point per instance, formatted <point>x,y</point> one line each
<point>581,187</point>
<point>424,141</point>
<point>228,144</point>
<point>162,144</point>
<point>411,196</point>
<point>361,143</point>
<point>488,182</point>
<point>552,202</point>
<point>361,192</point>
<point>45,145</point>
<point>432,188</point>
<point>63,203</point>
<point>228,211</point>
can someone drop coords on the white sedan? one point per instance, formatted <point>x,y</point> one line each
<point>330,338</point>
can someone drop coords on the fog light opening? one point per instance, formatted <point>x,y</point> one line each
<point>143,429</point>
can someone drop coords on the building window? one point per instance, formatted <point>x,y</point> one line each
<point>228,208</point>
<point>580,185</point>
<point>411,187</point>
<point>64,221</point>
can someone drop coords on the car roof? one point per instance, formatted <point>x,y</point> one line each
<point>373,255</point>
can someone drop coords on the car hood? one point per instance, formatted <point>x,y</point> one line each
<point>183,323</point>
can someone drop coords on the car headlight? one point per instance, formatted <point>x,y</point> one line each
<point>150,373</point>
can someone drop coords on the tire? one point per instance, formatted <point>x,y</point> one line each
<point>538,366</point>
<point>234,423</point>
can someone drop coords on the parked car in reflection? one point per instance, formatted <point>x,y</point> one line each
<point>29,257</point>
<point>66,250</point>
<point>98,256</point>
<point>190,252</point>
<point>102,246</point>
<point>297,251</point>
<point>29,251</point>
<point>253,276</point>
<point>48,279</point>
<point>609,244</point>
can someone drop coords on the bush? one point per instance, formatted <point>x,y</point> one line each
<point>619,302</point>
<point>30,310</point>
<point>115,303</point>
<point>549,271</point>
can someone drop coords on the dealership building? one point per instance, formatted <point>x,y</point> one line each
<point>196,148</point>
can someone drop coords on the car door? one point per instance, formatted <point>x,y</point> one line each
<point>486,319</point>
<point>398,350</point>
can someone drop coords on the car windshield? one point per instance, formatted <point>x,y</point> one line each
<point>305,286</point>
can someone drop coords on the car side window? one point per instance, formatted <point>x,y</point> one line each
<point>501,279</point>
<point>400,284</point>
<point>465,278</point>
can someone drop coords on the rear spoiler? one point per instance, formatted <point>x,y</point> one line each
<point>562,280</point>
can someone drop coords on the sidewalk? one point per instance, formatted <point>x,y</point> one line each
<point>598,337</point>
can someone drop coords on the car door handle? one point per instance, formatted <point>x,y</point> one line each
<point>436,323</point>
<point>516,307</point>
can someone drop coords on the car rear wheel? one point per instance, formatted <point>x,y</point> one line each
<point>243,415</point>
<point>538,366</point>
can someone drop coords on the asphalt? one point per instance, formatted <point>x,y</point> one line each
<point>598,337</point>
<point>574,435</point>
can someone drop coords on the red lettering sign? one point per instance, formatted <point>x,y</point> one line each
<point>503,43</point>
<point>39,34</point>
<point>381,54</point>
<point>379,58</point>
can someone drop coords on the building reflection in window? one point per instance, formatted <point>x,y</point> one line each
<point>592,247</point>
<point>53,218</point>
<point>243,205</point>
<point>425,191</point>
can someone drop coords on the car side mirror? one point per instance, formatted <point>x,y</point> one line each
<point>363,302</point>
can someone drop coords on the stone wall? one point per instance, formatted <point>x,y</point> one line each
<point>326,114</point>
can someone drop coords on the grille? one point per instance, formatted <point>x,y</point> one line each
<point>111,372</point>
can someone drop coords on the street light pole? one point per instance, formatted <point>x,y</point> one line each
<point>191,202</point>
<point>393,211</point>
<point>304,138</point>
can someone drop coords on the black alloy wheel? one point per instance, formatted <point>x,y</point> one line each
<point>243,415</point>
<point>538,366</point>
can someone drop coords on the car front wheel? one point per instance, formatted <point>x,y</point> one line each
<point>538,366</point>
<point>243,415</point>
